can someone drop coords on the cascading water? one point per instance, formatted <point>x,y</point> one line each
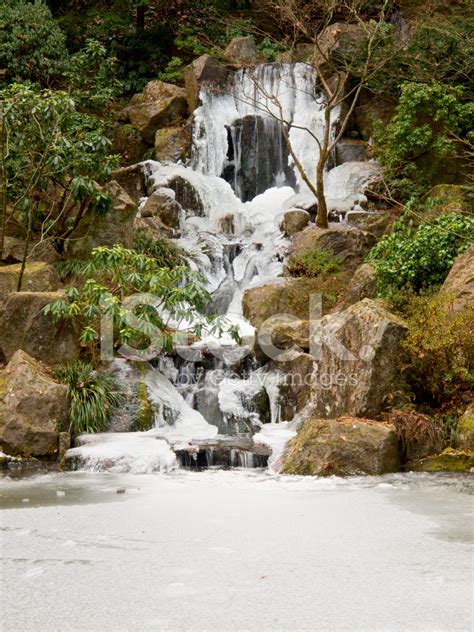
<point>232,198</point>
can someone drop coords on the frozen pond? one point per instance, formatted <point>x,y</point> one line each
<point>236,550</point>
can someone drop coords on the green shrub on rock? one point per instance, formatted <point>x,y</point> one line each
<point>418,257</point>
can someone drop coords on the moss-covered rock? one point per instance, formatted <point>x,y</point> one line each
<point>128,142</point>
<point>450,460</point>
<point>450,198</point>
<point>38,276</point>
<point>466,429</point>
<point>342,447</point>
<point>33,408</point>
<point>145,417</point>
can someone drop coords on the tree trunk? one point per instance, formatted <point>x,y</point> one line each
<point>140,24</point>
<point>27,244</point>
<point>322,217</point>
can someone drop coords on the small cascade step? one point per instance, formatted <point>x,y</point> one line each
<point>224,452</point>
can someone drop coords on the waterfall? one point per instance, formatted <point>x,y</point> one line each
<point>210,400</point>
<point>237,134</point>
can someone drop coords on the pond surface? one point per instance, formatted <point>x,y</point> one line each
<point>236,550</point>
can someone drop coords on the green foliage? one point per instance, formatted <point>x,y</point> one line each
<point>52,156</point>
<point>440,344</point>
<point>91,76</point>
<point>165,252</point>
<point>315,263</point>
<point>418,257</point>
<point>434,120</point>
<point>32,46</point>
<point>173,73</point>
<point>167,298</point>
<point>270,49</point>
<point>93,396</point>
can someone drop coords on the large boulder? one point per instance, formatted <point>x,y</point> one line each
<point>33,406</point>
<point>466,429</point>
<point>335,44</point>
<point>362,285</point>
<point>294,221</point>
<point>360,358</point>
<point>375,222</point>
<point>14,250</point>
<point>369,111</point>
<point>350,245</point>
<point>204,71</point>
<point>342,447</point>
<point>133,180</point>
<point>242,51</point>
<point>159,105</point>
<point>459,284</point>
<point>172,144</point>
<point>163,206</point>
<point>23,325</point>
<point>128,142</point>
<point>37,277</point>
<point>286,296</point>
<point>114,227</point>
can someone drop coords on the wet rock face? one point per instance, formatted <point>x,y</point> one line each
<point>459,284</point>
<point>24,326</point>
<point>32,408</point>
<point>360,357</point>
<point>115,227</point>
<point>257,158</point>
<point>204,70</point>
<point>342,447</point>
<point>164,207</point>
<point>172,144</point>
<point>186,195</point>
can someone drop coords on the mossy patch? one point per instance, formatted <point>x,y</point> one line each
<point>450,460</point>
<point>145,417</point>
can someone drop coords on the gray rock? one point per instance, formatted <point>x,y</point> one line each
<point>242,51</point>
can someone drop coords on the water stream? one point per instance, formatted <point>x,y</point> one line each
<point>233,195</point>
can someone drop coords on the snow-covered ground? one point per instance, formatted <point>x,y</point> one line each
<point>235,550</point>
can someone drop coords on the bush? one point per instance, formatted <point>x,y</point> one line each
<point>167,299</point>
<point>315,263</point>
<point>430,120</point>
<point>32,46</point>
<point>413,428</point>
<point>419,257</point>
<point>91,76</point>
<point>93,396</point>
<point>440,344</point>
